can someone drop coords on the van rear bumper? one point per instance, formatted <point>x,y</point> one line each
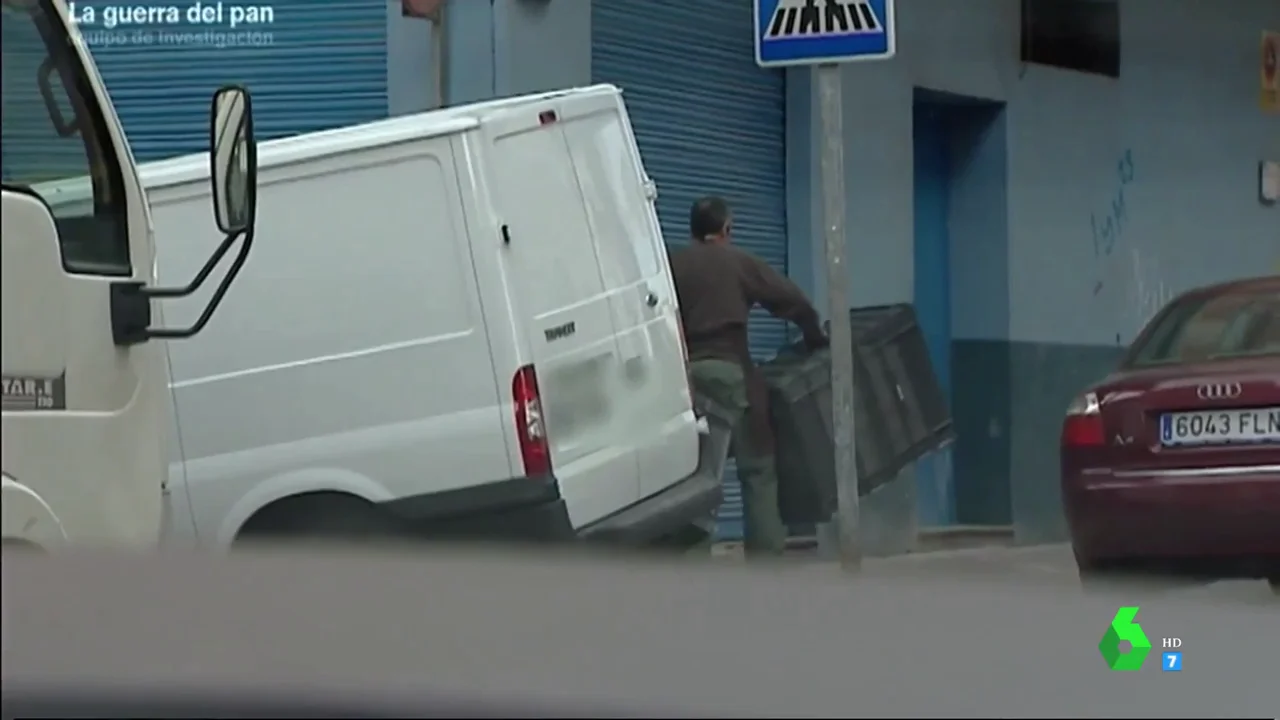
<point>690,503</point>
<point>519,509</point>
<point>531,508</point>
<point>669,512</point>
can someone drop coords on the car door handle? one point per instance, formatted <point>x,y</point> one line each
<point>651,299</point>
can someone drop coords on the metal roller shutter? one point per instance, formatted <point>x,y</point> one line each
<point>31,150</point>
<point>315,65</point>
<point>708,121</point>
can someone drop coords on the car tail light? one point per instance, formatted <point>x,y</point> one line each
<point>1083,425</point>
<point>531,427</point>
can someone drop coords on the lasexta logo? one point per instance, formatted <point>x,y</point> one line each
<point>1123,629</point>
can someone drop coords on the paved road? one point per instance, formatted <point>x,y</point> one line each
<point>1042,565</point>
<point>1039,566</point>
<point>674,639</point>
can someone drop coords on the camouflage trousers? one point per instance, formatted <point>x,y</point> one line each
<point>725,383</point>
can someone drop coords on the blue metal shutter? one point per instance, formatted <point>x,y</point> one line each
<point>708,121</point>
<point>316,65</point>
<point>32,149</point>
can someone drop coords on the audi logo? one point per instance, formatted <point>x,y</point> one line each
<point>1219,391</point>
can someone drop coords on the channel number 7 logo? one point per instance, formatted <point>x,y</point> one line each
<point>1124,629</point>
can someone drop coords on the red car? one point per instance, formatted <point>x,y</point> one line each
<point>1171,465</point>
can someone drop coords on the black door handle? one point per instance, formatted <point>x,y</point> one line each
<point>651,300</point>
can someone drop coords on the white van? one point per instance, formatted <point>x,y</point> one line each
<point>83,385</point>
<point>460,322</point>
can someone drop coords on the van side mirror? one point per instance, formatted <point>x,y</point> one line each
<point>233,166</point>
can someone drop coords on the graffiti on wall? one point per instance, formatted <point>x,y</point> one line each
<point>1148,291</point>
<point>1107,225</point>
<point>1130,284</point>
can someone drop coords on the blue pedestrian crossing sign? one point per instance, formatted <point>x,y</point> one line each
<point>813,32</point>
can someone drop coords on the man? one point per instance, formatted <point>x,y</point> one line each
<point>718,284</point>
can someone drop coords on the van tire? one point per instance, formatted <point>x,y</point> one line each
<point>318,516</point>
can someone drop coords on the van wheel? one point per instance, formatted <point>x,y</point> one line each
<point>318,516</point>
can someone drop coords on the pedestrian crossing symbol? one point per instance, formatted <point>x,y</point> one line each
<point>810,32</point>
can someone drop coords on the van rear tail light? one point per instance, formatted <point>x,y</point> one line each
<point>531,427</point>
<point>1083,424</point>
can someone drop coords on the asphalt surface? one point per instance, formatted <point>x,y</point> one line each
<point>1046,566</point>
<point>1053,566</point>
<point>987,633</point>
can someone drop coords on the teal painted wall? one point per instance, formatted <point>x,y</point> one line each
<point>981,398</point>
<point>960,286</point>
<point>413,81</point>
<point>932,122</point>
<point>1185,214</point>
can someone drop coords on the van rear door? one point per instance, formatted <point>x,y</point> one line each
<point>637,279</point>
<point>563,315</point>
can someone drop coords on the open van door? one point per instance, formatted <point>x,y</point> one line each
<point>619,200</point>
<point>563,316</point>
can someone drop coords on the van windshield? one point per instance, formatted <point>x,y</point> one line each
<point>55,140</point>
<point>1212,327</point>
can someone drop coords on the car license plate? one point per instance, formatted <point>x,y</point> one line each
<point>1221,427</point>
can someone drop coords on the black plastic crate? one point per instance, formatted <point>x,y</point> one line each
<point>900,413</point>
<point>891,359</point>
<point>800,410</point>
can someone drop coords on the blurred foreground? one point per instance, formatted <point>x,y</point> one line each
<point>989,632</point>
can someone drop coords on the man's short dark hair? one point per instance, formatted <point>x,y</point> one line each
<point>708,216</point>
